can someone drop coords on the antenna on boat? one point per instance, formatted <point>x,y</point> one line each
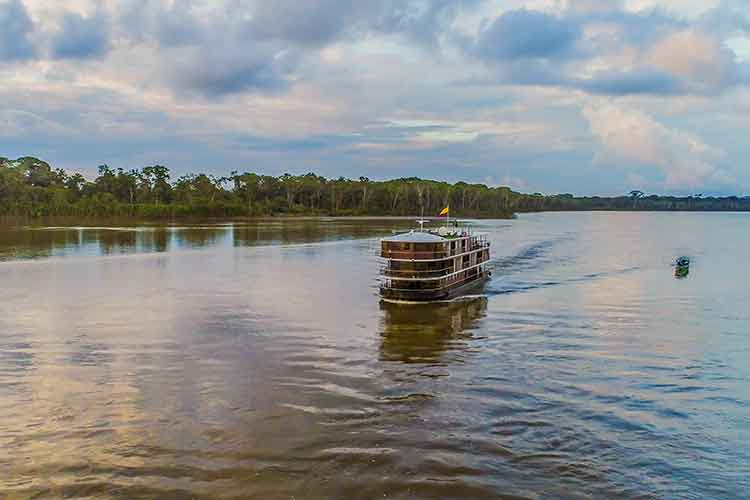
<point>421,222</point>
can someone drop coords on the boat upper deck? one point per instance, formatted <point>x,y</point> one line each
<point>432,246</point>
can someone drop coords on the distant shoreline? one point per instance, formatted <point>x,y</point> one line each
<point>30,187</point>
<point>12,221</point>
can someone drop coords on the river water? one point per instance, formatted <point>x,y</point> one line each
<point>254,360</point>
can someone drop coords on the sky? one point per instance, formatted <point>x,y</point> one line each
<point>553,96</point>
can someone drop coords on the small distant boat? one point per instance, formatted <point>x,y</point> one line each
<point>682,267</point>
<point>434,265</point>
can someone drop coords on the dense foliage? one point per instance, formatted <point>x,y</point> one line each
<point>31,187</point>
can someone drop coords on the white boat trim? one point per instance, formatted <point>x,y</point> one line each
<point>391,278</point>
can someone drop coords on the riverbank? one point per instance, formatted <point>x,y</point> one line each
<point>31,187</point>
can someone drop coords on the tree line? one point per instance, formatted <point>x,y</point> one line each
<point>31,187</point>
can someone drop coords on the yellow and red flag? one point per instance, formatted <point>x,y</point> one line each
<point>445,211</point>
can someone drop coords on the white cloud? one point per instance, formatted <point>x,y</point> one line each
<point>632,136</point>
<point>740,46</point>
<point>697,57</point>
<point>683,8</point>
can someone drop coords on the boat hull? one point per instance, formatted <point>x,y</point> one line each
<point>422,296</point>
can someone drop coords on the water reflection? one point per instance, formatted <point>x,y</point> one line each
<point>302,230</point>
<point>423,333</point>
<point>62,237</point>
<point>40,242</point>
<point>274,373</point>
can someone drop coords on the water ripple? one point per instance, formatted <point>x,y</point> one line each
<point>586,370</point>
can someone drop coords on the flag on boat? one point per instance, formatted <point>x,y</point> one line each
<point>445,211</point>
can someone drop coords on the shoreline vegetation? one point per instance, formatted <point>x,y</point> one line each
<point>31,187</point>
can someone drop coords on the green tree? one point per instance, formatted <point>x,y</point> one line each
<point>156,179</point>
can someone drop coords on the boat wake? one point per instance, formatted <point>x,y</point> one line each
<point>537,258</point>
<point>521,287</point>
<point>531,257</point>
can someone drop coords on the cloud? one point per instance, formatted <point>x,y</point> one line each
<point>582,48</point>
<point>426,23</point>
<point>311,143</point>
<point>170,24</point>
<point>16,28</point>
<point>234,70</point>
<point>230,47</point>
<point>81,37</point>
<point>311,22</point>
<point>590,6</point>
<point>637,29</point>
<point>175,25</point>
<point>728,18</point>
<point>647,82</point>
<point>212,49</point>
<point>528,34</point>
<point>633,137</point>
<point>316,23</point>
<point>698,58</point>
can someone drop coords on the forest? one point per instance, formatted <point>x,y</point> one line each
<point>31,187</point>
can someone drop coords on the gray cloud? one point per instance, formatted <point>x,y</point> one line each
<point>638,29</point>
<point>728,18</point>
<point>212,54</point>
<point>423,22</point>
<point>526,47</point>
<point>81,37</point>
<point>241,46</point>
<point>309,23</point>
<point>260,144</point>
<point>214,74</point>
<point>536,72</point>
<point>16,28</point>
<point>647,81</point>
<point>176,25</point>
<point>527,34</point>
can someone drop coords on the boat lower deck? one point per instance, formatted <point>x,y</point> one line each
<point>443,294</point>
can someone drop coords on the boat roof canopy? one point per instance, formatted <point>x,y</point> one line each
<point>415,237</point>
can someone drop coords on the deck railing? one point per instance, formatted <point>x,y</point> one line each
<point>443,280</point>
<point>432,255</point>
<point>412,255</point>
<point>397,273</point>
<point>443,285</point>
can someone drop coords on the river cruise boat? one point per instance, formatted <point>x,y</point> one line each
<point>435,265</point>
